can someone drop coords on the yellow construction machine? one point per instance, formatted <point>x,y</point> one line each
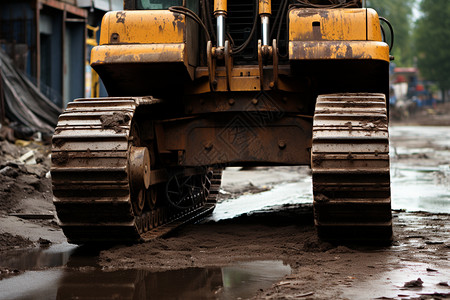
<point>196,86</point>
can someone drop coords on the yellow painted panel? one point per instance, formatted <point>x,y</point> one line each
<point>150,53</point>
<point>142,27</point>
<point>265,7</point>
<point>220,5</point>
<point>307,24</point>
<point>373,26</point>
<point>304,50</point>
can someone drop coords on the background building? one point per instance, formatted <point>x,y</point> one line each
<point>47,40</point>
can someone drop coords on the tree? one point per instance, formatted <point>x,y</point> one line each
<point>399,13</point>
<point>432,38</point>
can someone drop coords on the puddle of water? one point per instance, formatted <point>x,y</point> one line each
<point>437,135</point>
<point>419,190</point>
<point>423,187</point>
<point>288,193</point>
<point>38,258</point>
<point>391,284</point>
<point>245,279</point>
<point>31,285</point>
<point>240,280</point>
<point>414,188</point>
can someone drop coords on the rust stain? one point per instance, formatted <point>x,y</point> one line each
<point>139,27</point>
<point>306,13</point>
<point>180,27</point>
<point>178,24</point>
<point>335,24</point>
<point>338,50</point>
<point>178,17</point>
<point>120,16</point>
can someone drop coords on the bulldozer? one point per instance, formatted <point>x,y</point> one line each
<point>195,86</point>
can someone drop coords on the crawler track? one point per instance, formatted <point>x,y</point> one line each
<point>91,177</point>
<point>350,167</point>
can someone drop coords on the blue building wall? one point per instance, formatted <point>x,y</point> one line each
<point>48,43</point>
<point>17,27</point>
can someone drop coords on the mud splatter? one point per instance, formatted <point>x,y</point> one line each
<point>60,158</point>
<point>115,121</point>
<point>317,159</point>
<point>350,157</point>
<point>321,198</point>
<point>58,143</point>
<point>350,127</point>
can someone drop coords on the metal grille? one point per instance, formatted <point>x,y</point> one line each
<point>239,25</point>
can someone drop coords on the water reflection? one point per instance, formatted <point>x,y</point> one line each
<point>244,279</point>
<point>241,280</point>
<point>138,284</point>
<point>236,281</point>
<point>37,258</point>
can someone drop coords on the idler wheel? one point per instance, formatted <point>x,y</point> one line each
<point>139,168</point>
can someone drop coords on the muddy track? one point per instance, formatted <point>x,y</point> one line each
<point>94,193</point>
<point>350,167</point>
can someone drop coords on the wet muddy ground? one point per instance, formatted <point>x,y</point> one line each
<point>259,243</point>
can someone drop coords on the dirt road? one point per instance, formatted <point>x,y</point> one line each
<point>275,230</point>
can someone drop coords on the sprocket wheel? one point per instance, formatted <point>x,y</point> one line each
<point>184,192</point>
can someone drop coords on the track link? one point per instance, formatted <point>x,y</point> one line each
<point>90,176</point>
<point>350,168</point>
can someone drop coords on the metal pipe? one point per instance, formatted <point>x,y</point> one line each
<point>220,12</point>
<point>220,19</point>
<point>265,10</point>
<point>265,29</point>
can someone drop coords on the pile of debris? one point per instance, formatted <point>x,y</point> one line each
<point>24,174</point>
<point>27,122</point>
<point>22,106</point>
